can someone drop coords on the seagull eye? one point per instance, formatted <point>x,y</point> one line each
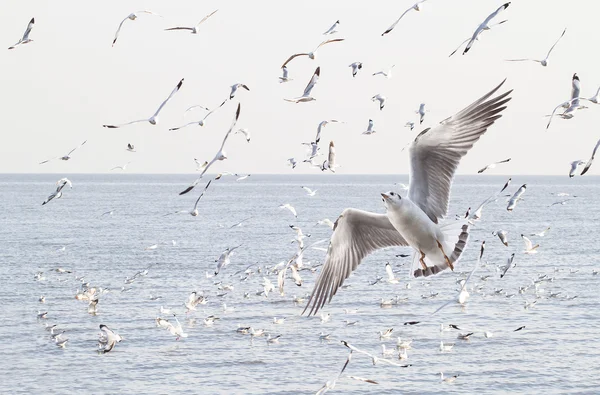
<point>393,194</point>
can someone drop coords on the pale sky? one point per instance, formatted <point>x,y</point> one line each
<point>60,89</point>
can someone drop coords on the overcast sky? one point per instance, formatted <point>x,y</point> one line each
<point>60,89</point>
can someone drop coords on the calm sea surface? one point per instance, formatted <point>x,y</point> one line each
<point>557,351</point>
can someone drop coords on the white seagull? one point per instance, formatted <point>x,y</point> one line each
<point>289,207</point>
<point>313,54</point>
<point>153,120</point>
<point>234,89</point>
<point>509,263</point>
<point>502,236</point>
<point>223,259</point>
<point>421,112</point>
<point>221,155</point>
<point>355,67</point>
<point>492,165</point>
<point>589,162</point>
<point>58,193</point>
<point>245,132</point>
<point>516,197</point>
<point>132,17</point>
<point>123,168</point>
<point>322,124</point>
<point>370,129</point>
<point>284,77</point>
<point>387,74</point>
<point>529,247</point>
<point>484,26</point>
<point>330,163</point>
<point>309,191</point>
<point>410,125</point>
<point>381,99</point>
<point>415,7</point>
<point>25,39</point>
<point>570,105</point>
<point>67,156</point>
<point>488,27</point>
<point>292,162</point>
<point>130,148</point>
<point>414,220</point>
<point>201,122</point>
<point>574,166</point>
<point>543,62</point>
<point>194,29</point>
<point>332,30</point>
<point>390,273</point>
<point>311,84</point>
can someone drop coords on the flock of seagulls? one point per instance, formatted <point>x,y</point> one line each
<point>416,220</point>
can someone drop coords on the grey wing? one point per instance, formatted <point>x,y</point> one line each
<point>552,47</point>
<point>28,30</point>
<point>206,17</point>
<point>292,57</point>
<point>330,41</point>
<point>356,234</point>
<point>313,81</point>
<point>215,109</point>
<point>589,163</point>
<point>170,96</point>
<point>460,45</point>
<point>435,153</point>
<point>181,28</point>
<point>237,116</point>
<point>389,29</point>
<point>202,194</point>
<point>495,13</point>
<point>119,30</point>
<point>80,145</point>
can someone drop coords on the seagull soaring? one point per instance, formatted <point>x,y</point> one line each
<point>194,29</point>
<point>387,74</point>
<point>234,89</point>
<point>153,120</point>
<point>201,122</point>
<point>132,17</point>
<point>306,97</point>
<point>58,194</point>
<point>570,105</point>
<point>67,156</point>
<point>492,165</point>
<point>284,76</point>
<point>322,124</point>
<point>313,54</point>
<point>574,165</point>
<point>355,67</point>
<point>25,39</point>
<point>370,129</point>
<point>332,30</point>
<point>413,220</point>
<point>484,26</point>
<point>221,155</point>
<point>415,7</point>
<point>543,62</point>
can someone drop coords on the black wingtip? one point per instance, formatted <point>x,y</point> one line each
<point>180,83</point>
<point>186,190</point>
<point>318,71</point>
<point>237,113</point>
<point>506,5</point>
<point>32,20</point>
<point>110,126</point>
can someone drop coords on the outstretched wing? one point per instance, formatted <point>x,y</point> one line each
<point>28,30</point>
<point>119,30</point>
<point>435,153</point>
<point>552,47</point>
<point>80,145</point>
<point>589,163</point>
<point>202,194</point>
<point>313,81</point>
<point>356,234</point>
<point>206,17</point>
<point>333,40</point>
<point>170,96</point>
<point>389,29</point>
<point>292,57</point>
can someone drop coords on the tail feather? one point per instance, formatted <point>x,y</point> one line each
<point>457,247</point>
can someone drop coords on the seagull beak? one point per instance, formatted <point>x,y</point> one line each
<point>383,195</point>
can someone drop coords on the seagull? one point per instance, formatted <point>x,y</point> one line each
<point>594,99</point>
<point>414,220</point>
<point>124,167</point>
<point>574,166</point>
<point>313,54</point>
<point>381,99</point>
<point>448,380</point>
<point>415,7</point>
<point>292,162</point>
<point>542,233</point>
<point>355,67</point>
<point>502,236</point>
<point>221,155</point>
<point>529,247</point>
<point>492,165</point>
<point>390,273</point>
<point>330,163</point>
<point>509,264</point>
<point>516,197</point>
<point>332,30</point>
<point>589,162</point>
<point>410,125</point>
<point>67,156</point>
<point>58,193</point>
<point>195,29</point>
<point>309,191</point>
<point>153,120</point>
<point>311,84</point>
<point>25,39</point>
<point>322,124</point>
<point>130,148</point>
<point>110,339</point>
<point>421,112</point>
<point>245,132</point>
<point>242,178</point>
<point>194,212</point>
<point>543,62</point>
<point>326,222</point>
<point>289,207</point>
<point>234,89</point>
<point>284,77</point>
<point>132,17</point>
<point>240,223</point>
<point>570,105</point>
<point>484,26</point>
<point>201,122</point>
<point>200,166</point>
<point>223,259</point>
<point>387,74</point>
<point>444,347</point>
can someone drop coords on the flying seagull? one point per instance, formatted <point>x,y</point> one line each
<point>313,54</point>
<point>574,166</point>
<point>322,124</point>
<point>484,26</point>
<point>415,7</point>
<point>355,67</point>
<point>154,118</point>
<point>25,39</point>
<point>284,77</point>
<point>132,17</point>
<point>234,89</point>
<point>387,74</point>
<point>201,122</point>
<point>543,62</point>
<point>516,197</point>
<point>108,340</point>
<point>529,247</point>
<point>488,27</point>
<point>223,259</point>
<point>381,99</point>
<point>67,156</point>
<point>492,165</point>
<point>221,155</point>
<point>332,30</point>
<point>421,112</point>
<point>589,162</point>
<point>245,132</point>
<point>311,84</point>
<point>58,194</point>
<point>130,148</point>
<point>194,29</point>
<point>370,129</point>
<point>414,220</point>
<point>330,163</point>
<point>124,167</point>
<point>194,212</point>
<point>570,105</point>
<point>309,191</point>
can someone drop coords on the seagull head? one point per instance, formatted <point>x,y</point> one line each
<point>222,155</point>
<point>391,199</point>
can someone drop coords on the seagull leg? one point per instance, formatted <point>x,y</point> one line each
<point>421,259</point>
<point>445,256</point>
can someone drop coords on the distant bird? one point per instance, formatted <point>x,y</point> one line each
<point>130,148</point>
<point>194,29</point>
<point>390,273</point>
<point>201,122</point>
<point>311,84</point>
<point>445,347</point>
<point>242,178</point>
<point>221,155</point>
<point>332,30</point>
<point>484,25</point>
<point>543,62</point>
<point>519,328</point>
<point>387,73</point>
<point>153,120</point>
<point>25,39</point>
<point>355,67</point>
<point>574,166</point>
<point>109,340</point>
<point>309,191</point>
<point>313,54</point>
<point>415,7</point>
<point>223,259</point>
<point>245,132</point>
<point>58,193</point>
<point>289,207</point>
<point>448,380</point>
<point>330,164</point>
<point>529,247</point>
<point>234,89</point>
<point>132,17</point>
<point>492,165</point>
<point>327,222</point>
<point>571,105</point>
<point>284,77</point>
<point>589,162</point>
<point>421,112</point>
<point>410,125</point>
<point>509,263</point>
<point>370,129</point>
<point>67,156</point>
<point>238,224</point>
<point>516,197</point>
<point>322,124</point>
<point>381,99</point>
<point>292,162</point>
<point>502,236</point>
<point>124,167</point>
<point>542,233</point>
